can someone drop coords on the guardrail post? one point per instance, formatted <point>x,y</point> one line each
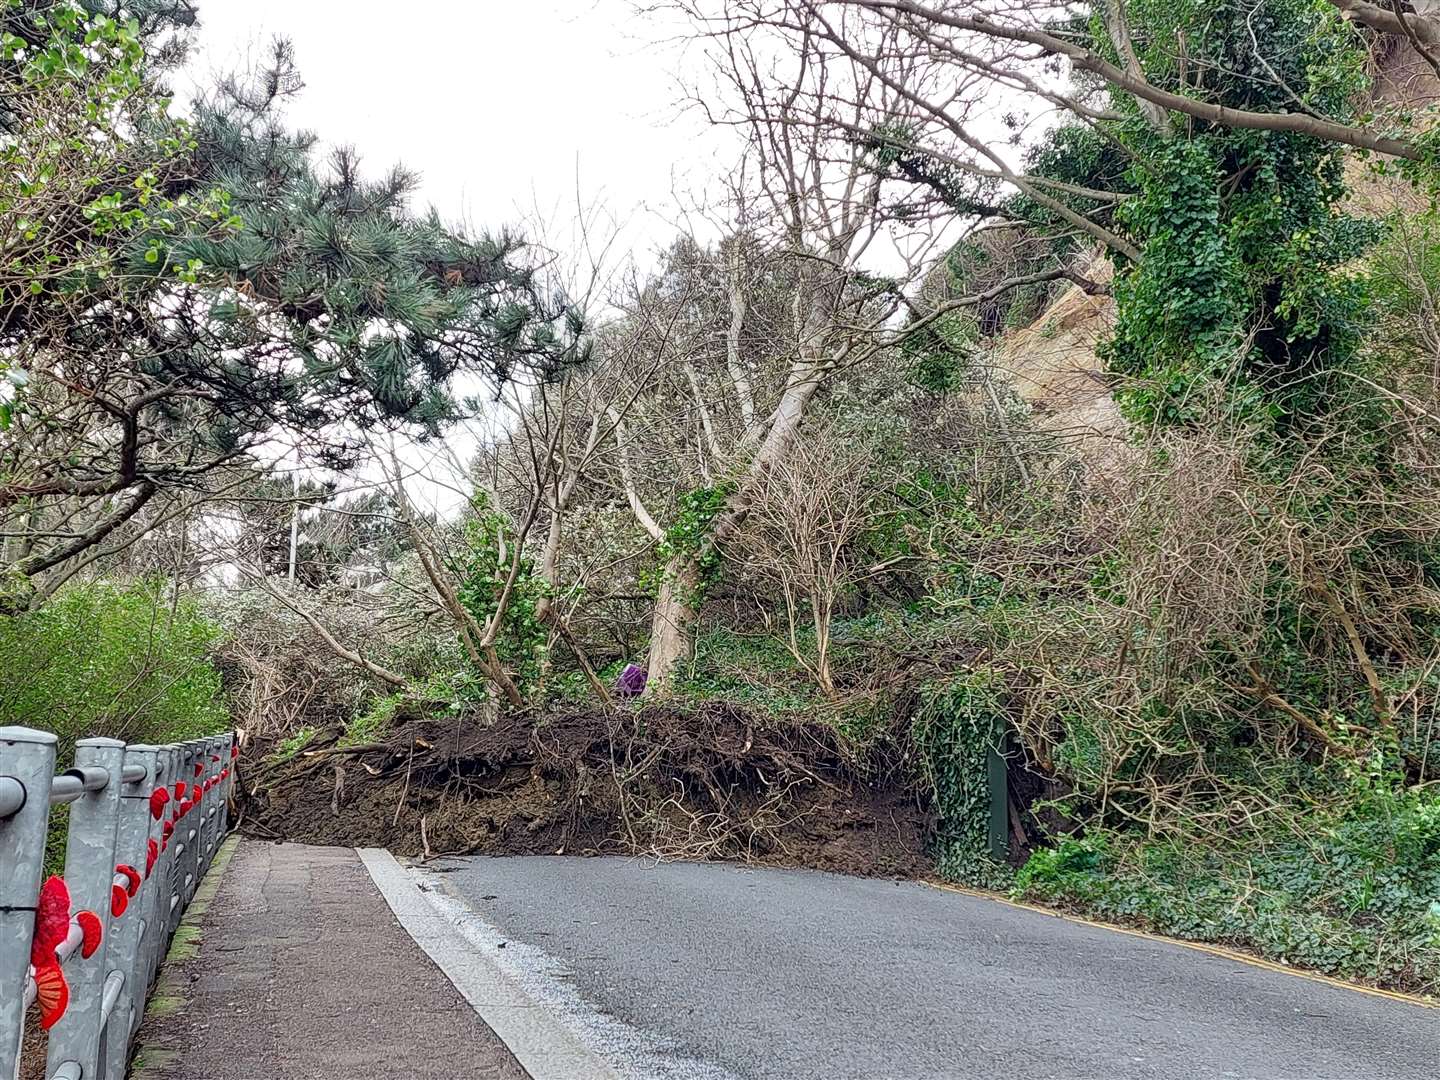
<point>216,797</point>
<point>203,811</point>
<point>189,828</point>
<point>90,872</point>
<point>223,787</point>
<point>127,935</point>
<point>156,894</point>
<point>168,869</point>
<point>28,757</point>
<point>187,860</point>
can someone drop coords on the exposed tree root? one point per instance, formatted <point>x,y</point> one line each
<point>669,784</point>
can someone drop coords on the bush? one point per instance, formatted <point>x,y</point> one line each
<point>1354,895</point>
<point>114,660</point>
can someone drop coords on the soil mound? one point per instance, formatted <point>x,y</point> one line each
<point>712,783</point>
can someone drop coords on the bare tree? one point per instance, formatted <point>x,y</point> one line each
<point>807,517</point>
<point>815,202</point>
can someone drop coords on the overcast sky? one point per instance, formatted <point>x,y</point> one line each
<point>499,105</point>
<point>528,113</point>
<point>505,109</point>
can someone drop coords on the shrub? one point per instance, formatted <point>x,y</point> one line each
<point>115,660</point>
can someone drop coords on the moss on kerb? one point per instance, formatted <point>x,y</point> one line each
<point>170,995</point>
<point>149,1060</point>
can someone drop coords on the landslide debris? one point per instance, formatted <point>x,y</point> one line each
<point>710,782</point>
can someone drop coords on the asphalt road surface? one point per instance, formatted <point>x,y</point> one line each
<point>716,972</point>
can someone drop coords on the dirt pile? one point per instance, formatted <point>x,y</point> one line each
<point>712,783</point>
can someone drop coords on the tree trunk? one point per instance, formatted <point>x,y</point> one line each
<point>672,628</point>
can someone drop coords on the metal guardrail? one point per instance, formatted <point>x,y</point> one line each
<point>113,822</point>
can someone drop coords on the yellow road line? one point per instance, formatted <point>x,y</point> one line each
<point>1198,946</point>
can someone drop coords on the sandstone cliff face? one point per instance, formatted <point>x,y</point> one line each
<point>1052,364</point>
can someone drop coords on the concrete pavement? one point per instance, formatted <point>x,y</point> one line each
<point>684,971</point>
<point>302,973</point>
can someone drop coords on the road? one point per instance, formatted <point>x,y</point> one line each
<point>707,972</point>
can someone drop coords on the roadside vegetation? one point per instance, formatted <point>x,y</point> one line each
<point>1041,497</point>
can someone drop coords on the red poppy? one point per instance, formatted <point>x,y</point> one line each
<point>91,928</point>
<point>52,993</point>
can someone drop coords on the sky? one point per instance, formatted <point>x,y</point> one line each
<point>537,114</point>
<point>508,110</point>
<point>531,113</point>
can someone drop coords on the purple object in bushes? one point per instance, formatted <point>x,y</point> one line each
<point>631,681</point>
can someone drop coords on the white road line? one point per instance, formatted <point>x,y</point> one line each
<point>546,1049</point>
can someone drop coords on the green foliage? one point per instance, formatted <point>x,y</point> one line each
<point>1353,894</point>
<point>114,660</point>
<point>1070,863</point>
<point>1083,157</point>
<point>1243,300</point>
<point>939,357</point>
<point>368,726</point>
<point>695,511</point>
<point>482,564</point>
<point>1180,317</point>
<point>755,670</point>
<point>440,693</point>
<point>689,535</point>
<point>85,161</point>
<point>1403,281</point>
<point>292,744</point>
<point>573,688</point>
<point>959,724</point>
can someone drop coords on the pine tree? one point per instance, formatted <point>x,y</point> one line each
<point>181,292</point>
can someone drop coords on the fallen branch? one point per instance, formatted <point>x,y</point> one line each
<point>1268,695</point>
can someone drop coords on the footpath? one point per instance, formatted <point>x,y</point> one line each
<point>297,970</point>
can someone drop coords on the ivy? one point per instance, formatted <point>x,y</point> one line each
<point>1244,303</point>
<point>1354,896</point>
<point>959,724</point>
<point>689,534</point>
<point>481,572</point>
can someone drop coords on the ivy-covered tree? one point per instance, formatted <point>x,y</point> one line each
<point>178,294</point>
<point>1243,289</point>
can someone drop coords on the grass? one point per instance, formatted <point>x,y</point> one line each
<point>296,742</point>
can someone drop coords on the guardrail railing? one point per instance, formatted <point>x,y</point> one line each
<point>145,824</point>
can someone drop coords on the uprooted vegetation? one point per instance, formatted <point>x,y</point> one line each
<point>711,783</point>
